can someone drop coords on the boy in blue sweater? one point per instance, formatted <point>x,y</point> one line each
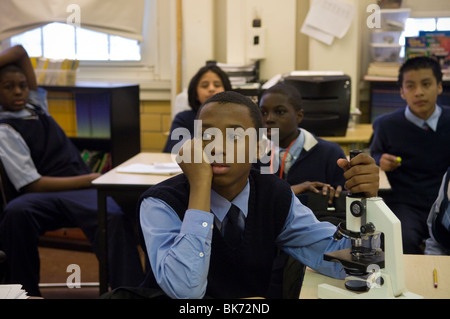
<point>186,220</point>
<point>52,181</point>
<point>411,145</point>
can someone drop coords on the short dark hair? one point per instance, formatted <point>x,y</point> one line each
<point>293,95</point>
<point>194,103</point>
<point>237,98</point>
<point>421,62</point>
<point>10,68</point>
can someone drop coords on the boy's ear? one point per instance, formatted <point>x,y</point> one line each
<point>300,114</point>
<point>402,94</point>
<point>440,88</point>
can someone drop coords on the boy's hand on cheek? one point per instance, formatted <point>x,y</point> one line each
<point>198,171</point>
<point>362,175</point>
<point>194,163</point>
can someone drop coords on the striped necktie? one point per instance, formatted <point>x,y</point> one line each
<point>287,161</point>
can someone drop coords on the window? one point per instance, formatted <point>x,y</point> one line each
<point>59,41</point>
<point>414,25</point>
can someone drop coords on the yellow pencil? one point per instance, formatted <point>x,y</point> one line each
<point>435,278</point>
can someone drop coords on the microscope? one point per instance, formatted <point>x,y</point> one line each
<point>373,271</point>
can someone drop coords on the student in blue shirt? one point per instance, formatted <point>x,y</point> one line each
<point>411,146</point>
<point>52,181</point>
<point>185,223</point>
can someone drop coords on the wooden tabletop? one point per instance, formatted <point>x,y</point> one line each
<point>115,178</point>
<point>360,134</point>
<point>418,278</point>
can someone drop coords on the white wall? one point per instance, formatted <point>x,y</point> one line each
<point>233,35</point>
<point>197,35</point>
<point>234,20</point>
<point>343,55</point>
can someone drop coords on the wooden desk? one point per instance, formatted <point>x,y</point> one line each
<point>356,138</point>
<point>120,184</point>
<point>418,278</point>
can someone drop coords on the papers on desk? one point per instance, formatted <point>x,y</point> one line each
<point>12,292</point>
<point>156,169</point>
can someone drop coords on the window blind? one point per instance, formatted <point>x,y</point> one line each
<point>118,17</point>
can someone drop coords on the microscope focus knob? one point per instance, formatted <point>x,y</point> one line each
<point>368,228</point>
<point>357,208</point>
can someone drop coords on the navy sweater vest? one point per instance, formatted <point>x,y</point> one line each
<point>52,151</point>
<point>425,157</point>
<point>247,270</point>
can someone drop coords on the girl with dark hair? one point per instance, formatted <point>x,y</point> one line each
<point>209,80</point>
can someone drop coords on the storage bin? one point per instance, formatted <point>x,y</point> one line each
<point>390,4</point>
<point>394,19</point>
<point>382,52</point>
<point>383,36</point>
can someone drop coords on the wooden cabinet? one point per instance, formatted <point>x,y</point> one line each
<point>99,116</point>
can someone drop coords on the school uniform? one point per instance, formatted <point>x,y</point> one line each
<point>439,221</point>
<point>309,158</point>
<point>190,259</point>
<point>184,119</point>
<point>425,159</point>
<point>33,145</point>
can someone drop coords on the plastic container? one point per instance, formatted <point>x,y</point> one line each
<point>381,52</point>
<point>383,36</point>
<point>390,4</point>
<point>56,77</point>
<point>394,19</point>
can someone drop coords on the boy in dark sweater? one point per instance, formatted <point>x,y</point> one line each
<point>52,181</point>
<point>439,221</point>
<point>411,145</point>
<point>188,224</point>
<point>306,162</point>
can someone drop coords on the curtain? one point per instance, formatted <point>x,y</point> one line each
<point>118,17</point>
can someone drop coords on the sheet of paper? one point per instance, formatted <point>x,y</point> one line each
<point>156,168</point>
<point>327,19</point>
<point>317,34</point>
<point>316,73</point>
<point>12,292</point>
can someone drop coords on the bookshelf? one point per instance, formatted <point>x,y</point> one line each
<point>99,116</point>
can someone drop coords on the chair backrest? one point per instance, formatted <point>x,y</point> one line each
<point>7,189</point>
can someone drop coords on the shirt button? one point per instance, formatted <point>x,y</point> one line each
<point>204,224</point>
<point>201,255</point>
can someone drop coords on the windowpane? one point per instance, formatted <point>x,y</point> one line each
<point>31,41</point>
<point>91,45</point>
<point>63,41</point>
<point>59,41</point>
<point>443,24</point>
<point>122,49</point>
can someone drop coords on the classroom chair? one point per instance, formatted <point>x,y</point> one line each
<point>64,238</point>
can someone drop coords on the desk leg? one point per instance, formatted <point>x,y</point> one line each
<point>102,242</point>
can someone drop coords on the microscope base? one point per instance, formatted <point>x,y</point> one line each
<point>326,291</point>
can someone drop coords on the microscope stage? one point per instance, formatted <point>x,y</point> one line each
<point>354,264</point>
